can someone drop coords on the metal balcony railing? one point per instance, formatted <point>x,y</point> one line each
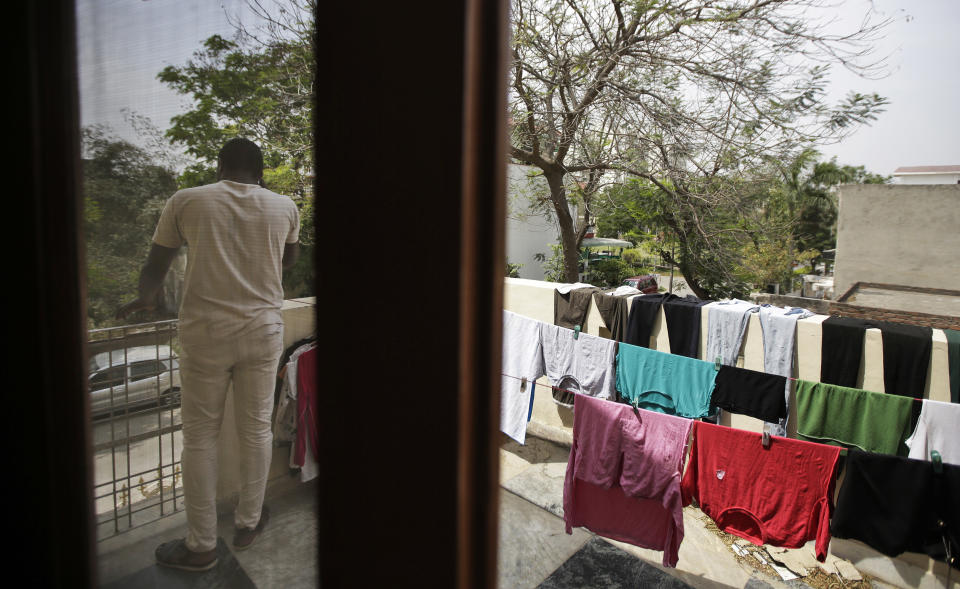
<point>134,389</point>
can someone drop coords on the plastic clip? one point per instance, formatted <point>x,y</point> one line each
<point>765,440</point>
<point>576,332</point>
<point>937,461</point>
<point>523,384</point>
<point>636,405</point>
<point>716,363</point>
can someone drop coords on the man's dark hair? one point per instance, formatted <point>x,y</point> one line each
<point>242,155</point>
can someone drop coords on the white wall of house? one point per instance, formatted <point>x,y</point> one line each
<point>898,234</point>
<point>530,230</point>
<point>944,178</point>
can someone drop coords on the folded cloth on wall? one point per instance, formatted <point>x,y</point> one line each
<point>623,475</point>
<point>895,505</point>
<point>643,313</point>
<point>583,364</point>
<point>613,311</point>
<point>938,428</point>
<point>781,495</point>
<point>726,323</point>
<point>663,382</point>
<point>683,324</point>
<point>779,327</point>
<point>749,392</point>
<point>522,359</point>
<point>841,350</point>
<point>953,360</point>
<point>565,288</point>
<point>571,308</point>
<point>831,414</point>
<point>906,357</point>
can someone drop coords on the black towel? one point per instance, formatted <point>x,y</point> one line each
<point>683,324</point>
<point>906,357</point>
<point>643,312</point>
<point>897,505</point>
<point>752,393</point>
<point>841,350</point>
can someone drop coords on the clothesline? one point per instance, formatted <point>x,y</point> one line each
<point>915,400</point>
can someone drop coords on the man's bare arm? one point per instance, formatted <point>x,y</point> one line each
<point>291,251</point>
<point>151,279</point>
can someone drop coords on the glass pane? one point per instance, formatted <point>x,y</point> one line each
<point>178,99</point>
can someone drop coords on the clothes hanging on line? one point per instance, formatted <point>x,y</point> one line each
<point>953,360</point>
<point>644,310</point>
<point>849,417</point>
<point>779,328</point>
<point>683,324</point>
<point>285,416</point>
<point>623,475</point>
<point>781,495</point>
<point>522,358</point>
<point>307,445</point>
<point>581,362</point>
<point>896,505</point>
<point>614,312</point>
<point>287,426</point>
<point>841,350</point>
<point>726,324</point>
<point>570,309</point>
<point>938,428</point>
<point>663,382</point>
<point>906,357</point>
<point>906,354</point>
<point>751,393</point>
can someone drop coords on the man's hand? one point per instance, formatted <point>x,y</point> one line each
<point>135,306</point>
<point>151,279</point>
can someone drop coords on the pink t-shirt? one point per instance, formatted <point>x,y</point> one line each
<point>623,475</point>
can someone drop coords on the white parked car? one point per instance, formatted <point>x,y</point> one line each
<point>143,376</point>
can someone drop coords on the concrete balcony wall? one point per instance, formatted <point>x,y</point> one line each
<point>554,422</point>
<point>299,322</point>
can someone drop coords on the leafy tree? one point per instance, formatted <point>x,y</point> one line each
<point>124,192</point>
<point>683,94</point>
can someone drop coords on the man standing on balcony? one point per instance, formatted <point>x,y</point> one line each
<point>239,237</point>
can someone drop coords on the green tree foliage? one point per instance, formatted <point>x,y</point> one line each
<point>752,237</point>
<point>124,192</point>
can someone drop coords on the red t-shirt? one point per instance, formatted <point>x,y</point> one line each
<point>781,495</point>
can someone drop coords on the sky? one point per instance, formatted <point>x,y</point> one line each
<point>921,125</point>
<point>123,44</point>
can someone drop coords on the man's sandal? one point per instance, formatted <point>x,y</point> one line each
<point>244,537</point>
<point>176,555</point>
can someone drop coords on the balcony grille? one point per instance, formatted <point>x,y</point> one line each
<point>137,431</point>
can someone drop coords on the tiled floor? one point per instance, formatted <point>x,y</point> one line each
<point>283,556</point>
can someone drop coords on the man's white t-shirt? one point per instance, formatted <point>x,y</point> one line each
<point>235,235</point>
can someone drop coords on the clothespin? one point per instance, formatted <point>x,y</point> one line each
<point>576,332</point>
<point>716,363</point>
<point>523,384</point>
<point>937,461</point>
<point>636,405</point>
<point>765,440</point>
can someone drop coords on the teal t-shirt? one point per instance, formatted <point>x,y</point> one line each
<point>663,382</point>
